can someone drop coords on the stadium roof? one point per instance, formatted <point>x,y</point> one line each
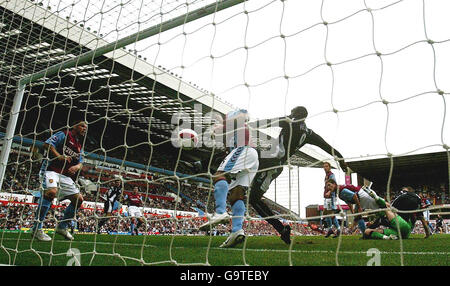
<point>127,101</point>
<point>430,168</point>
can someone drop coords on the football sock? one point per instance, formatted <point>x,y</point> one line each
<point>237,221</point>
<point>329,223</point>
<point>336,223</point>
<point>41,212</point>
<point>361,225</point>
<point>69,213</point>
<point>220,195</point>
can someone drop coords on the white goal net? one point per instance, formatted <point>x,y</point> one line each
<point>371,74</point>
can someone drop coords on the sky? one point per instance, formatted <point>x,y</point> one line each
<point>385,104</point>
<point>281,54</point>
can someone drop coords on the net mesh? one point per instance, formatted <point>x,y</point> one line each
<point>370,72</point>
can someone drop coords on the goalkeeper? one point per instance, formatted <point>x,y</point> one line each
<point>397,226</point>
<point>408,201</point>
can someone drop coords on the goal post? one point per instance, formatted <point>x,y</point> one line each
<point>90,55</point>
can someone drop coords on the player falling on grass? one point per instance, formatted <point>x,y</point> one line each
<point>397,226</point>
<point>58,175</point>
<point>234,176</point>
<point>113,196</point>
<point>406,202</point>
<point>294,134</point>
<point>134,201</point>
<point>355,198</point>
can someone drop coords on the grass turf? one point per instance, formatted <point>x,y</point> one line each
<point>125,250</point>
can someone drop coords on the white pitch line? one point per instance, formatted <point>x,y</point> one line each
<point>255,249</point>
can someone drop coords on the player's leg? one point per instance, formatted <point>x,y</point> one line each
<point>400,226</point>
<point>329,223</point>
<point>334,219</point>
<point>106,212</point>
<point>327,210</point>
<point>230,165</point>
<point>221,182</point>
<point>76,200</point>
<point>220,196</point>
<point>49,182</point>
<point>367,203</point>
<point>379,233</point>
<point>264,211</point>
<point>246,168</point>
<point>237,201</point>
<point>220,192</point>
<point>140,222</point>
<point>260,185</point>
<point>132,225</point>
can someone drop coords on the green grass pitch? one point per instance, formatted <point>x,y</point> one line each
<point>125,250</point>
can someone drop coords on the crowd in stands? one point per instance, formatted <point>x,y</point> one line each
<point>436,194</point>
<point>158,191</point>
<point>15,216</point>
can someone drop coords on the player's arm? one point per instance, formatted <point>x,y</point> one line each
<point>73,169</point>
<point>52,143</point>
<point>282,122</point>
<point>350,206</point>
<point>316,140</point>
<point>357,203</point>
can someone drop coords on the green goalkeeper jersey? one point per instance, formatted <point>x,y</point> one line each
<point>396,224</point>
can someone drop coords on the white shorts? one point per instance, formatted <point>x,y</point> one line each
<point>242,164</point>
<point>366,201</point>
<point>65,185</point>
<point>426,215</point>
<point>134,211</point>
<point>329,204</point>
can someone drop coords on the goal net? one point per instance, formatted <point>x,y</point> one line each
<point>370,73</point>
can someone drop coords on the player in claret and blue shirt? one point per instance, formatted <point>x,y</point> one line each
<point>58,174</point>
<point>134,201</point>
